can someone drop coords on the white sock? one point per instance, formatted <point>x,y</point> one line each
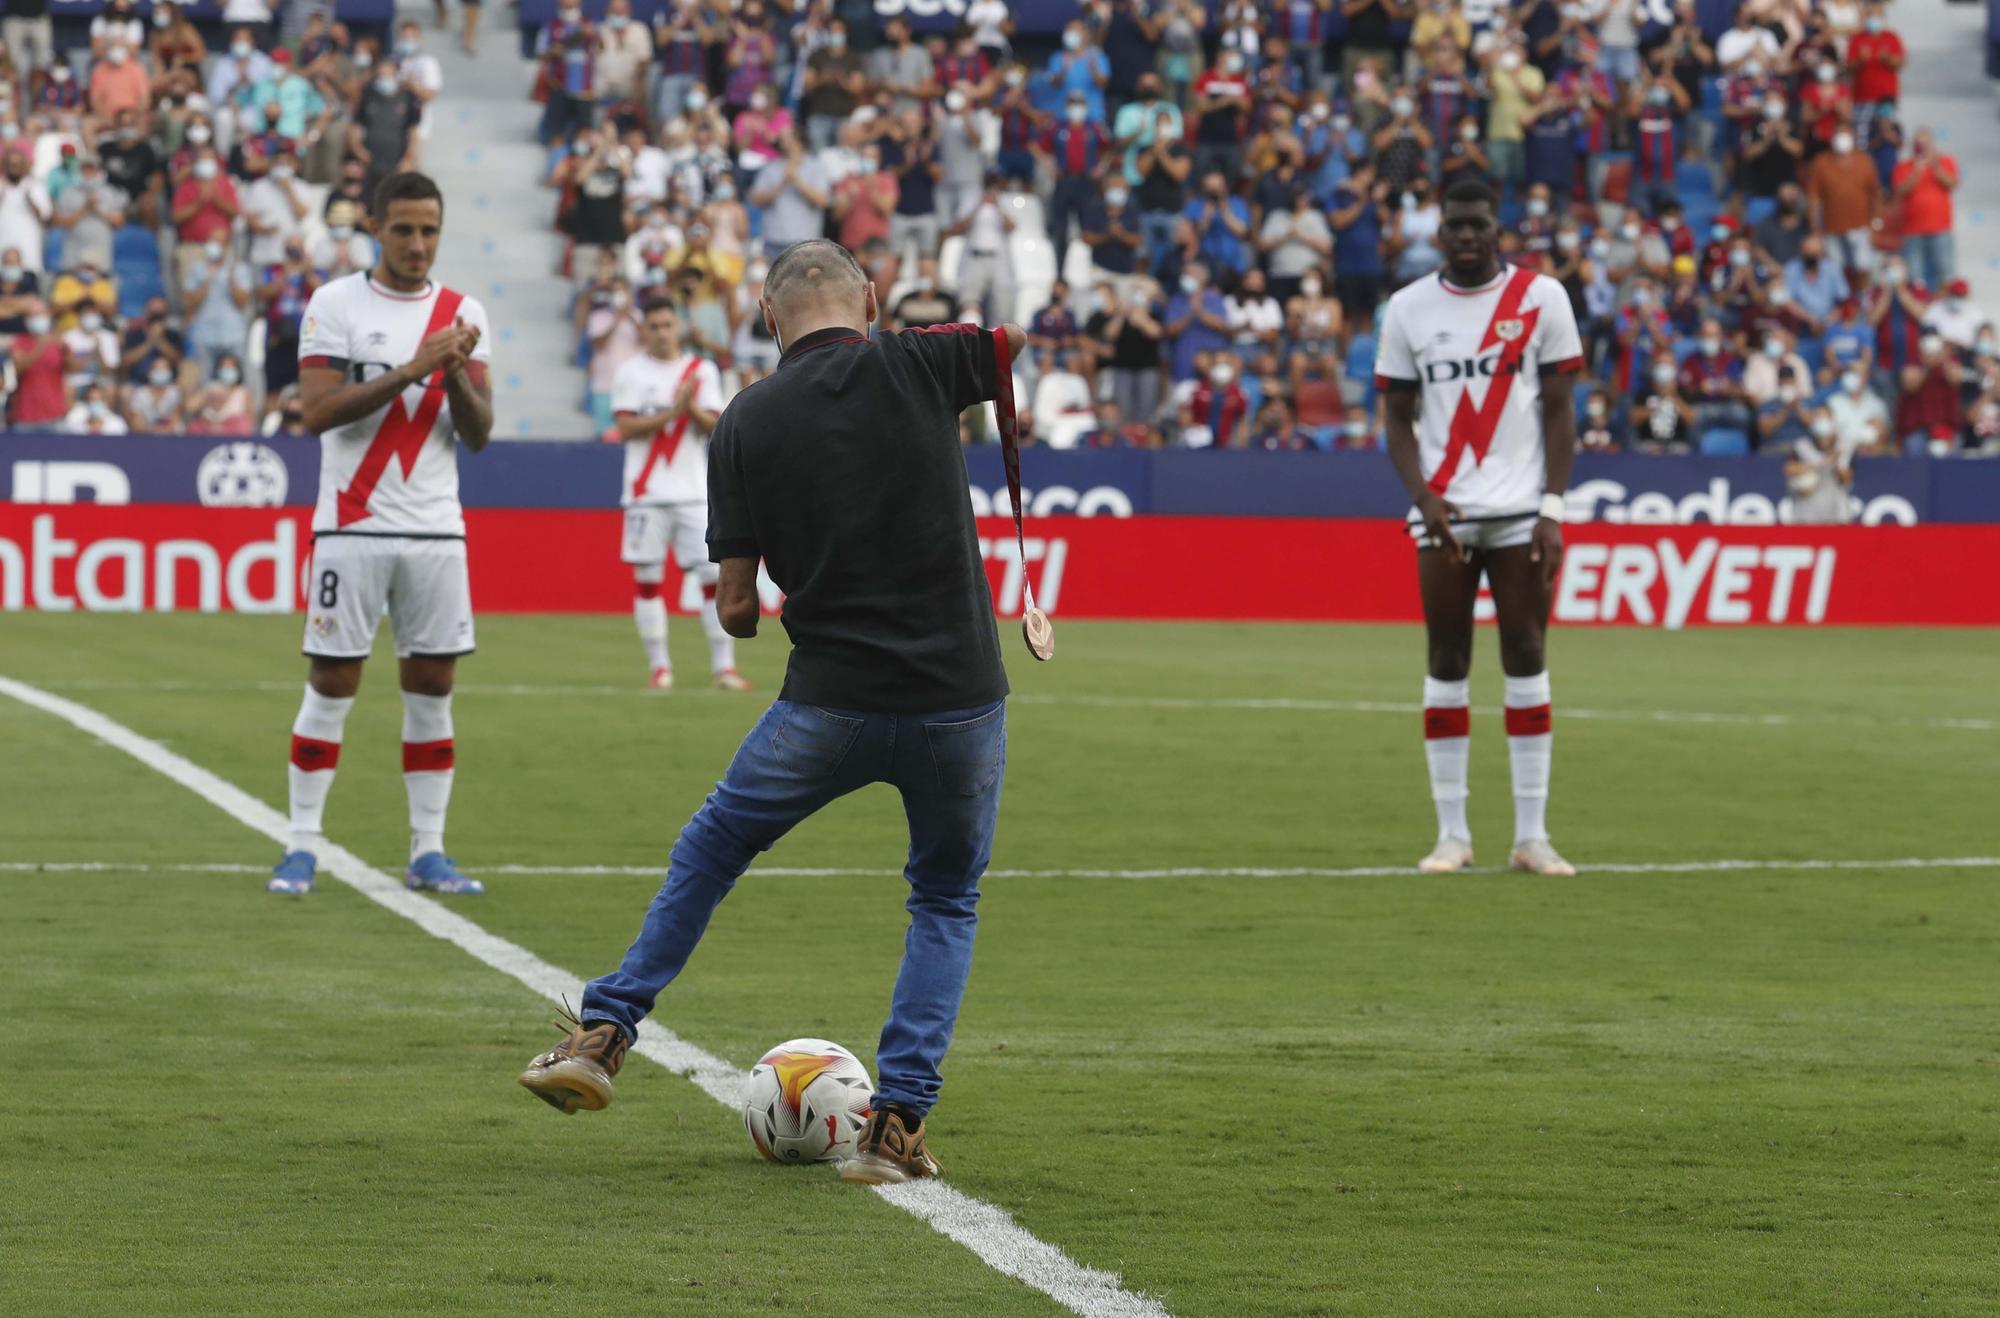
<point>1448,748</point>
<point>649,613</point>
<point>428,762</point>
<point>721,645</point>
<point>316,734</point>
<point>1530,746</point>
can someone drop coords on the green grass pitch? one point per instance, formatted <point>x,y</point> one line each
<point>1761,1091</point>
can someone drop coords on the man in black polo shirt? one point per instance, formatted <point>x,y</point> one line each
<point>842,472</point>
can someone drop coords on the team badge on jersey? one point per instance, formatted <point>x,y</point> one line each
<point>1509,330</point>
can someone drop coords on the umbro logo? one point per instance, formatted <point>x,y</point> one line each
<point>376,340</point>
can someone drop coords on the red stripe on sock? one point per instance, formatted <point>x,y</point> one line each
<point>311,754</point>
<point>1533,721</point>
<point>1440,723</point>
<point>648,590</point>
<point>427,756</point>
<point>708,591</point>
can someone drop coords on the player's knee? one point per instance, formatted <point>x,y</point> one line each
<point>1522,655</point>
<point>428,677</point>
<point>1450,662</point>
<point>336,679</point>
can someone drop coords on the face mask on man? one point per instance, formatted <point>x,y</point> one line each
<point>205,169</point>
<point>212,250</point>
<point>1711,347</point>
<point>91,322</point>
<point>161,377</point>
<point>38,324</point>
<point>1077,113</point>
<point>385,86</point>
<point>1189,283</point>
<point>1072,40</point>
<point>1852,382</point>
<point>1115,200</point>
<point>227,375</point>
<point>1221,373</point>
<point>1663,374</point>
<point>241,49</point>
<point>199,134</point>
<point>1537,207</point>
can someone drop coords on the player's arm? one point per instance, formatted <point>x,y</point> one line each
<point>328,401</point>
<point>736,597</point>
<point>1399,422</point>
<point>468,391</point>
<point>1559,454</point>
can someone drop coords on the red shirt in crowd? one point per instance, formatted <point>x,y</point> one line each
<point>1927,209</point>
<point>1873,79</point>
<point>39,400</point>
<point>217,209</point>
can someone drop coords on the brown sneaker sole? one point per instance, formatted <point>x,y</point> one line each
<point>569,1085</point>
<point>874,1169</point>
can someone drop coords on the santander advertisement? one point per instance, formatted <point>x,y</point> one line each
<point>185,557</point>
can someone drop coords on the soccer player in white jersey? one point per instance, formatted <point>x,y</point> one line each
<point>1476,366</point>
<point>392,376</point>
<point>666,403</point>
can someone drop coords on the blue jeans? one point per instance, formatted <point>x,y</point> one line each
<point>1931,258</point>
<point>1156,235</point>
<point>948,767</point>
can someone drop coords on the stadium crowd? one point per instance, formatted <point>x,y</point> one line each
<point>173,195</point>
<point>1199,209</point>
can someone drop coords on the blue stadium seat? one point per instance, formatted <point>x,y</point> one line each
<point>1685,347</point>
<point>1722,442</point>
<point>133,244</point>
<point>1758,209</point>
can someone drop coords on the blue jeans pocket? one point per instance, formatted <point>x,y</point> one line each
<point>968,755</point>
<point>813,742</point>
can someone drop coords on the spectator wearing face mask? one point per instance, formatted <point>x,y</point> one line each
<point>176,43</point>
<point>1895,308</point>
<point>1930,407</point>
<point>222,406</point>
<point>92,350</point>
<point>25,211</point>
<point>864,201</point>
<point>343,248</point>
<point>89,213</point>
<point>41,397</point>
<point>1924,185</point>
<point>1775,372</point>
<point>792,192</point>
<point>833,85</point>
<point>132,166</point>
<point>614,331</point>
<point>1817,474</point>
<point>624,52</point>
<point>1860,417</point>
<point>1815,284</point>
<point>1514,86</point>
<point>1078,154</point>
<point>154,406</point>
<point>287,287</point>
<point>1221,109</point>
<point>1111,229</point>
<point>118,83</point>
<point>242,64</point>
<point>382,133</point>
<point>204,210</point>
<point>93,413</point>
<point>150,344</point>
<point>1845,197</point>
<point>216,292</point>
<point>274,210</point>
<point>1215,411</point>
<point>1875,54</point>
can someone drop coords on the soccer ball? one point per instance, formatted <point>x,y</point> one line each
<point>805,1101</point>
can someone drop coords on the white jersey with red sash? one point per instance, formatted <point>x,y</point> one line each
<point>670,465</point>
<point>1477,358</point>
<point>394,471</point>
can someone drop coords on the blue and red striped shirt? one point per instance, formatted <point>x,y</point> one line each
<point>1076,147</point>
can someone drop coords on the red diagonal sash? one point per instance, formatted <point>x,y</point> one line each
<point>402,434</point>
<point>667,439</point>
<point>1473,427</point>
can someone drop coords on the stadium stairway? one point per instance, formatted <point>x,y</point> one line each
<point>498,243</point>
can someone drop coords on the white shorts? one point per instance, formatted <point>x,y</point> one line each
<point>421,583</point>
<point>651,527</point>
<point>1485,532</point>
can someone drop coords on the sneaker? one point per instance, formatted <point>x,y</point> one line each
<point>576,1074</point>
<point>731,680</point>
<point>890,1150</point>
<point>294,874</point>
<point>662,679</point>
<point>1536,856</point>
<point>1450,855</point>
<point>436,872</point>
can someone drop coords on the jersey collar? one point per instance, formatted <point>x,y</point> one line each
<point>1486,287</point>
<point>819,338</point>
<point>383,290</point>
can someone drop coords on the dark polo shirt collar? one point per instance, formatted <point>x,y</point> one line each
<point>819,338</point>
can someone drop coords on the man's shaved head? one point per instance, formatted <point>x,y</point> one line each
<point>813,285</point>
<point>817,271</point>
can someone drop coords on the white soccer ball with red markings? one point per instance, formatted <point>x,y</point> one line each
<point>806,1100</point>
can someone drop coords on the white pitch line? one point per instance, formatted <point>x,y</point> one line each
<point>1283,704</point>
<point>1773,865</point>
<point>987,1231</point>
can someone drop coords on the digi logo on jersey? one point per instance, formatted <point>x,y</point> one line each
<point>1467,368</point>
